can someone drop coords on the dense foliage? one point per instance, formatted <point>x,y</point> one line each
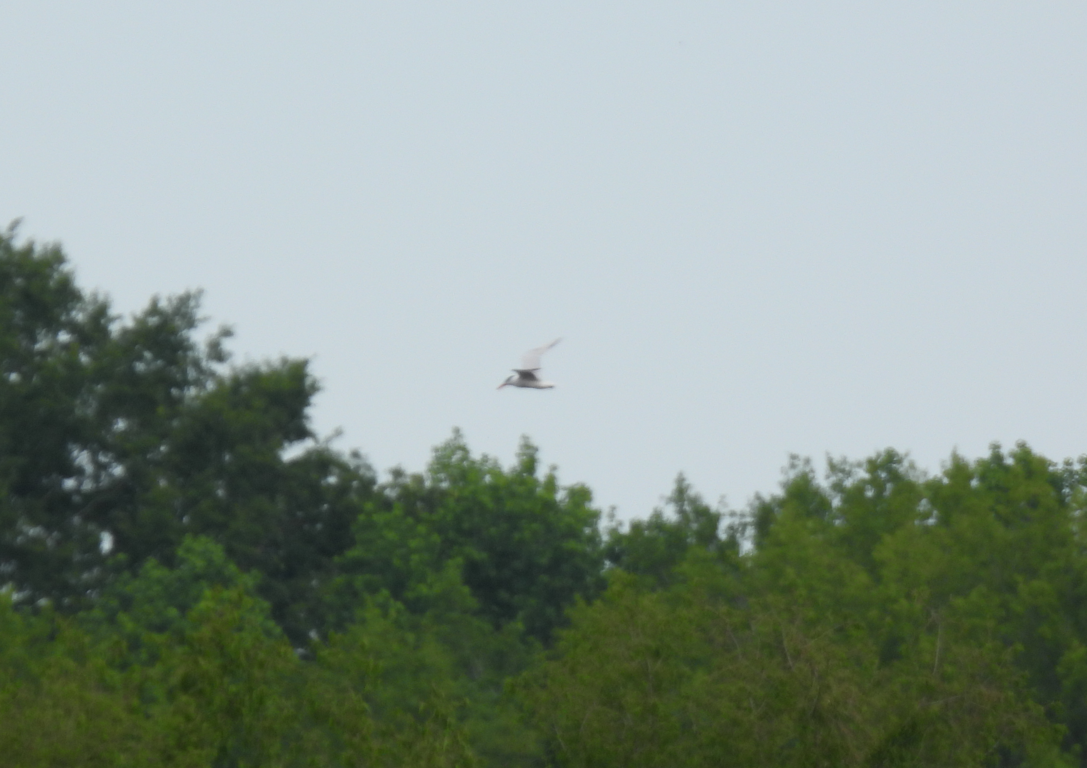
<point>191,577</point>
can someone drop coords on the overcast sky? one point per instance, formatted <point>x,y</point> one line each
<point>760,228</point>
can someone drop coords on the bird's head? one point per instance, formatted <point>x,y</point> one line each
<point>507,381</point>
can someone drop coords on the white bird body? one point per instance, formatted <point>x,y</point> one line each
<point>526,376</point>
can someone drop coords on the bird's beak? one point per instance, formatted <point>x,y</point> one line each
<point>504,383</point>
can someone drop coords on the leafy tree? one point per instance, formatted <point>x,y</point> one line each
<point>1004,530</point>
<point>49,331</point>
<point>655,547</point>
<point>156,601</point>
<point>525,549</point>
<point>188,576</point>
<point>123,438</point>
<point>872,499</point>
<point>885,618</point>
<point>801,494</point>
<point>778,665</point>
<point>60,701</point>
<point>223,686</point>
<point>471,566</point>
<point>402,672</point>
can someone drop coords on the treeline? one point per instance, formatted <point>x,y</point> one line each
<point>192,577</point>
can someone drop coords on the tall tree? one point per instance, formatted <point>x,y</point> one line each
<point>118,439</point>
<point>50,333</point>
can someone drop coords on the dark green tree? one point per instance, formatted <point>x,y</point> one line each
<point>118,439</point>
<point>49,333</point>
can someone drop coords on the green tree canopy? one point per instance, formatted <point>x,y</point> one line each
<point>190,577</point>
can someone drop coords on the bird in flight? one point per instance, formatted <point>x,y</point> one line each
<point>526,375</point>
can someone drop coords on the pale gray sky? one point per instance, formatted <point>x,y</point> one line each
<point>760,228</point>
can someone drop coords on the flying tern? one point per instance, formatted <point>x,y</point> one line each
<point>527,374</point>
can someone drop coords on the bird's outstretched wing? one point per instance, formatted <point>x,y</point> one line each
<point>531,360</point>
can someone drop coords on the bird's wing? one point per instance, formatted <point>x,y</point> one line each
<point>526,375</point>
<point>531,360</point>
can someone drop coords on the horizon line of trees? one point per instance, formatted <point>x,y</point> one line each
<point>191,577</point>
